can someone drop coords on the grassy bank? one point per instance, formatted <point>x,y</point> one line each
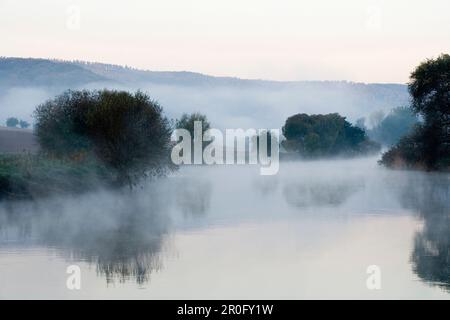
<point>30,176</point>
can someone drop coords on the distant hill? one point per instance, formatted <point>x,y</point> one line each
<point>228,101</point>
<point>44,73</point>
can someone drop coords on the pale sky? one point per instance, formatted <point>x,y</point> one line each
<point>356,40</point>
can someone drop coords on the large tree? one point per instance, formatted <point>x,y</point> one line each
<point>430,91</point>
<point>428,147</point>
<point>126,132</point>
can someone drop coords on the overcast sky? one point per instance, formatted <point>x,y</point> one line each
<point>357,40</point>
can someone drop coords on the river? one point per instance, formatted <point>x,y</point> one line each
<point>216,232</point>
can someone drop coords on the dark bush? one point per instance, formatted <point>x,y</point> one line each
<point>127,133</point>
<point>325,135</point>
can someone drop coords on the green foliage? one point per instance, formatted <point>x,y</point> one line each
<point>187,122</point>
<point>325,135</point>
<point>395,125</point>
<point>126,132</point>
<point>430,86</point>
<point>407,153</point>
<point>12,122</point>
<point>27,176</point>
<point>130,134</point>
<point>428,147</point>
<point>61,123</point>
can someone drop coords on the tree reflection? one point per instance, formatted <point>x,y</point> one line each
<point>122,234</point>
<point>321,193</point>
<point>429,196</point>
<point>193,196</point>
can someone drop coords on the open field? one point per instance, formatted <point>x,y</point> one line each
<point>14,140</point>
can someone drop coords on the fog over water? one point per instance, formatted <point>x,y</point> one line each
<point>310,231</point>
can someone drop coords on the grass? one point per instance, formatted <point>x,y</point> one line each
<point>29,176</point>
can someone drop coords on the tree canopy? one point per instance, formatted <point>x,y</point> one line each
<point>126,132</point>
<point>187,122</point>
<point>325,135</point>
<point>428,146</point>
<point>12,122</point>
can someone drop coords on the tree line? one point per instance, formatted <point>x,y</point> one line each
<point>13,122</point>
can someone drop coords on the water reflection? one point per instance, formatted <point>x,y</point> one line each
<point>266,185</point>
<point>321,192</point>
<point>232,214</point>
<point>193,196</point>
<point>121,234</point>
<point>428,195</point>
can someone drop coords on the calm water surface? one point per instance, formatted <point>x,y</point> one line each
<point>226,232</point>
